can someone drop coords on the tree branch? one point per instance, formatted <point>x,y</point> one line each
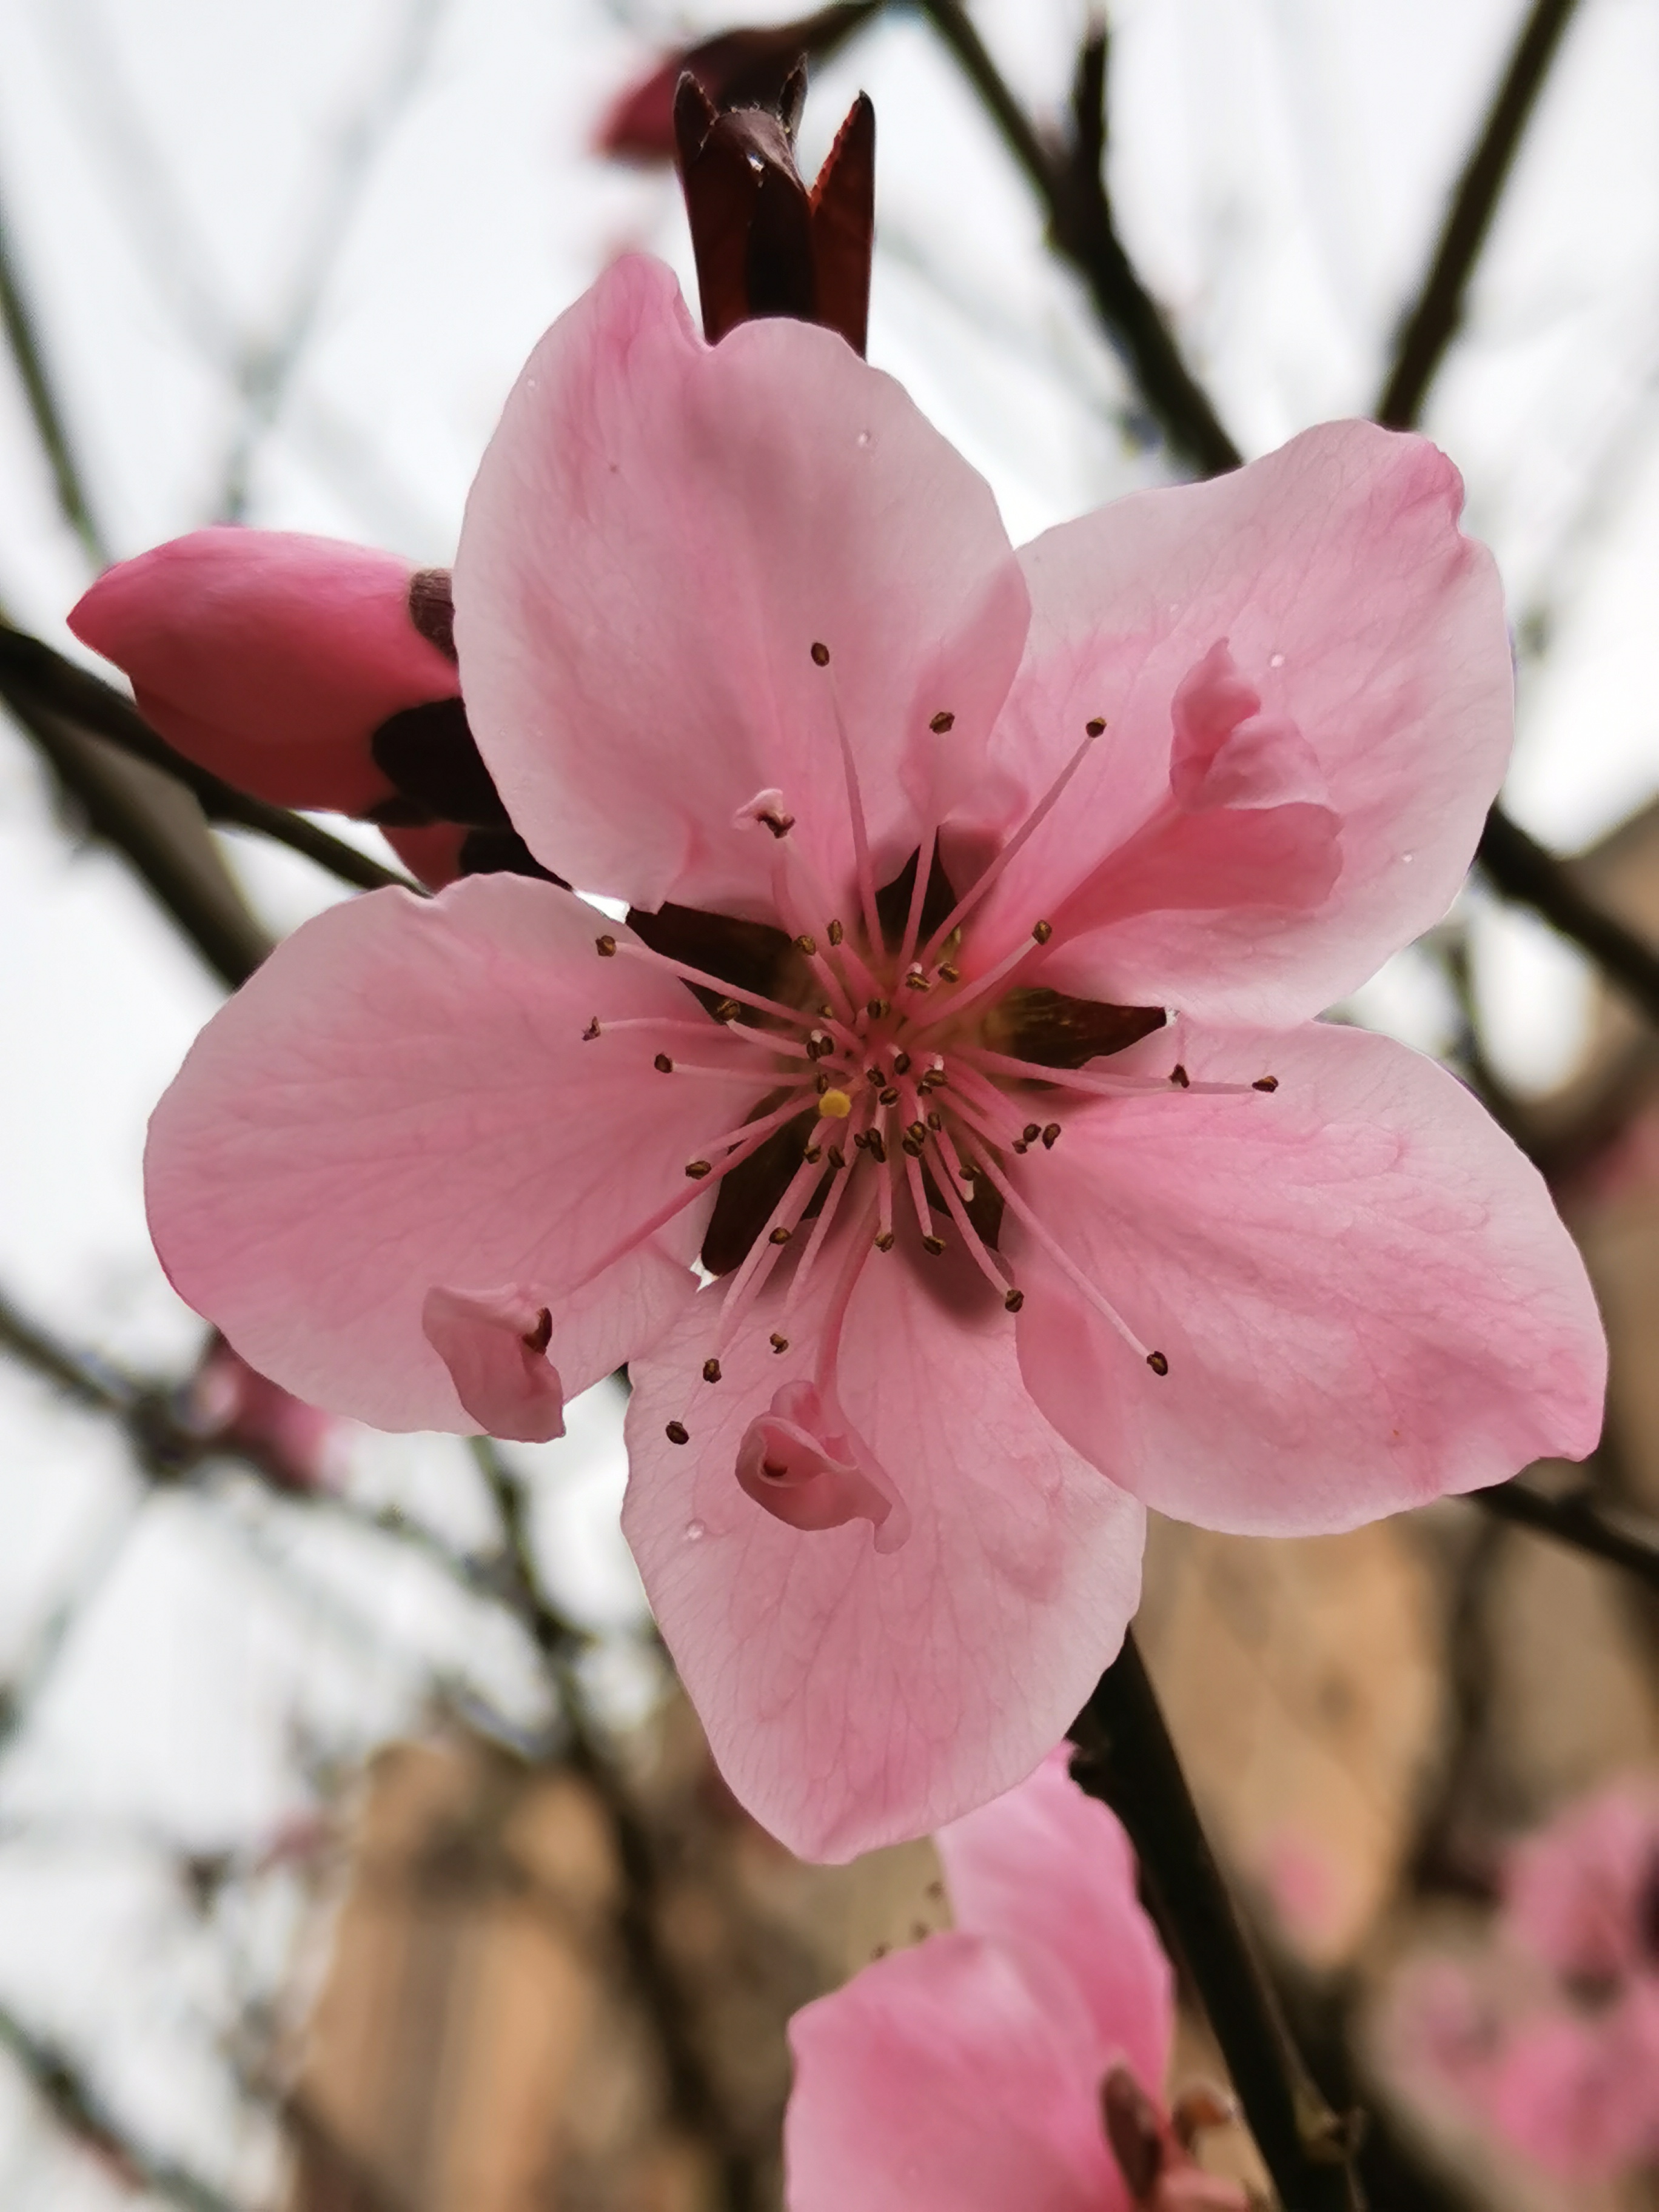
<point>33,677</point>
<point>1125,1758</point>
<point>1522,870</point>
<point>83,2114</point>
<point>1434,322</point>
<point>1070,184</point>
<point>1579,1518</point>
<point>50,427</point>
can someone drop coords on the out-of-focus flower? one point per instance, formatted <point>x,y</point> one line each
<point>308,672</point>
<point>747,68</point>
<point>922,840</point>
<point>1017,2064</point>
<point>1558,2059</point>
<point>232,1405</point>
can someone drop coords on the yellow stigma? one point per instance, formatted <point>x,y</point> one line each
<point>836,1104</point>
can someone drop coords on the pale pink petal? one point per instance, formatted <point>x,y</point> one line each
<point>1049,1868</point>
<point>1370,636</point>
<point>402,1100</point>
<point>853,1695</point>
<point>1362,1292</point>
<point>943,2080</point>
<point>268,657</point>
<point>1582,1894</point>
<point>659,534</point>
<point>494,1345</point>
<point>1580,2093</point>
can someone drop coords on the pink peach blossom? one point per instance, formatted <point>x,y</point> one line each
<point>230,1404</point>
<point>1016,2064</point>
<point>1582,1894</point>
<point>923,842</point>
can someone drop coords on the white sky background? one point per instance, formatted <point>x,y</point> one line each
<point>176,177</point>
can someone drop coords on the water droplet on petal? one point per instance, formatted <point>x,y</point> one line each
<point>696,1531</point>
<point>1275,660</point>
<point>864,437</point>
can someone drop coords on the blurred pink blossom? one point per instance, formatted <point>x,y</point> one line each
<point>232,1405</point>
<point>922,840</point>
<point>1016,2062</point>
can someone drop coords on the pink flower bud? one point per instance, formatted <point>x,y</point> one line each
<point>272,658</point>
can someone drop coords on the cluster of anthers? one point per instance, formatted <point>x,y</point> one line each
<point>893,1088</point>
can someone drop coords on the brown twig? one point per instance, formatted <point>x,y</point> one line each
<point>1579,1518</point>
<point>1519,866</point>
<point>1125,1758</point>
<point>50,427</point>
<point>1434,322</point>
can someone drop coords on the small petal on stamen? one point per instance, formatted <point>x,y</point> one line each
<point>711,1370</point>
<point>821,653</point>
<point>663,1065</point>
<point>835,1103</point>
<point>942,722</point>
<point>1266,1082</point>
<point>1158,1363</point>
<point>677,1433</point>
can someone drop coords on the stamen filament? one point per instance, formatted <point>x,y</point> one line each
<point>1067,1265</point>
<point>982,985</point>
<point>970,1237</point>
<point>1099,1086</point>
<point>631,949</point>
<point>918,899</point>
<point>1045,807</point>
<point>855,806</point>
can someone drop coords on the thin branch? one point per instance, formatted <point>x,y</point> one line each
<point>1580,1519</point>
<point>33,676</point>
<point>1070,184</point>
<point>696,2099</point>
<point>1435,320</point>
<point>1522,870</point>
<point>1125,1758</point>
<point>79,2110</point>
<point>29,359</point>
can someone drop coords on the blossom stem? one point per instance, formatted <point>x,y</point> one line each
<point>1125,1758</point>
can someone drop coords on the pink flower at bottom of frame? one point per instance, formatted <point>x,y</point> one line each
<point>979,906</point>
<point>231,1405</point>
<point>1017,2064</point>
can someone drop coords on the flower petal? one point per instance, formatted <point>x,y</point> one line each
<point>1047,1868</point>
<point>943,2080</point>
<point>1366,642</point>
<point>401,1100</point>
<point>659,534</point>
<point>1365,1296</point>
<point>853,1696</point>
<point>494,1345</point>
<point>269,657</point>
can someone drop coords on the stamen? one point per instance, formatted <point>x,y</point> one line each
<point>855,806</point>
<point>711,1370</point>
<point>983,986</point>
<point>630,948</point>
<point>973,1240</point>
<point>924,870</point>
<point>1039,814</point>
<point>677,1433</point>
<point>839,1186</point>
<point>1096,1085</point>
<point>1069,1267</point>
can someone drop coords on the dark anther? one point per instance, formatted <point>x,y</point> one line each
<point>876,1008</point>
<point>823,1083</point>
<point>912,1145</point>
<point>1020,1145</point>
<point>727,1011</point>
<point>837,1159</point>
<point>836,933</point>
<point>941,723</point>
<point>813,1155</point>
<point>949,973</point>
<point>821,654</point>
<point>1179,1076</point>
<point>884,1240</point>
<point>1095,725</point>
<point>711,1370</point>
<point>889,1094</point>
<point>878,1148</point>
<point>1266,1082</point>
<point>779,1343</point>
<point>1013,1300</point>
<point>1132,2130</point>
<point>663,1065</point>
<point>677,1433</point>
<point>916,980</point>
<point>697,1169</point>
<point>607,947</point>
<point>919,1131</point>
<point>874,1078</point>
<point>901,1063</point>
<point>1049,1135</point>
<point>432,609</point>
<point>779,824</point>
<point>592,1031</point>
<point>807,945</point>
<point>1031,1132</point>
<point>1041,931</point>
<point>1158,1363</point>
<point>427,753</point>
<point>862,1140</point>
<point>935,1119</point>
<point>934,1244</point>
<point>781,1234</point>
<point>538,1339</point>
